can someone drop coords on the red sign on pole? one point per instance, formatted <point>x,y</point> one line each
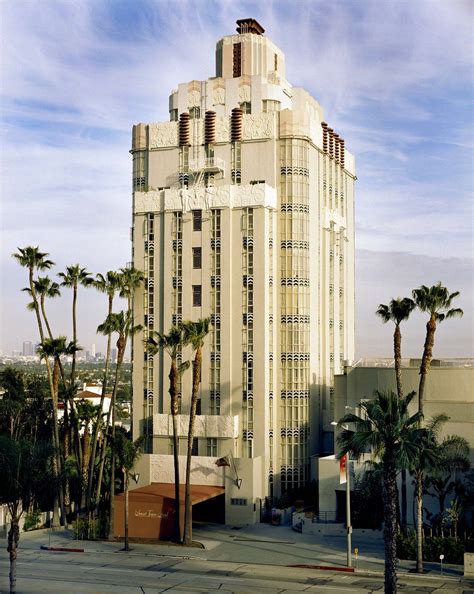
<point>342,469</point>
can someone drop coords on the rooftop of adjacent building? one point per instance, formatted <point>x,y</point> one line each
<point>453,363</point>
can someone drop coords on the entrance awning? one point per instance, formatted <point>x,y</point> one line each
<point>199,493</point>
<point>152,509</point>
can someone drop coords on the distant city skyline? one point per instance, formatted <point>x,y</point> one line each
<point>396,77</point>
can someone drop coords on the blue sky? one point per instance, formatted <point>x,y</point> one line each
<point>395,77</point>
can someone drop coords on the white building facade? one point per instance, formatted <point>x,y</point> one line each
<point>243,210</point>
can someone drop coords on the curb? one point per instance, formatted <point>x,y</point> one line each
<point>61,549</point>
<point>324,567</point>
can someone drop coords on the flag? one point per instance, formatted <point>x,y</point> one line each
<point>342,469</point>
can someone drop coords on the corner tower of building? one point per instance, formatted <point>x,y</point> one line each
<point>243,210</point>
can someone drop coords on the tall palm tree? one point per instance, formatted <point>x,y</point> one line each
<point>44,287</point>
<point>132,278</point>
<point>172,343</point>
<point>386,429</point>
<point>397,311</point>
<point>54,348</point>
<point>86,413</point>
<point>31,258</point>
<point>128,453</point>
<point>436,302</point>
<point>122,324</point>
<point>109,284</point>
<point>72,278</point>
<point>194,334</point>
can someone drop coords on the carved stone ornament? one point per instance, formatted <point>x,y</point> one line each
<point>256,126</point>
<point>244,93</point>
<point>218,96</point>
<point>163,135</point>
<point>222,129</point>
<point>148,201</point>
<point>194,99</point>
<point>203,469</point>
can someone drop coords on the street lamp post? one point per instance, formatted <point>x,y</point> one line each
<point>348,505</point>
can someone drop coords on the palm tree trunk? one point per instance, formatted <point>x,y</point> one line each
<point>404,502</point>
<point>74,334</point>
<point>57,442</point>
<point>173,375</point>
<point>95,438</point>
<point>188,535</point>
<point>397,352</point>
<point>426,360</point>
<point>126,545</point>
<point>35,301</point>
<point>12,548</point>
<point>390,522</point>
<point>419,522</point>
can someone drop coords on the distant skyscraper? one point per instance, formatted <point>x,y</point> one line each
<point>92,350</point>
<point>244,212</point>
<point>113,355</point>
<point>28,349</point>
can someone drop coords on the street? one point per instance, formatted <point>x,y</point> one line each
<point>103,567</point>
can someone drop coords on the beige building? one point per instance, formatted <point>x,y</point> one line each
<point>243,210</point>
<point>448,390</point>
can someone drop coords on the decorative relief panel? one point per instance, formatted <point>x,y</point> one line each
<point>187,199</point>
<point>244,93</point>
<point>149,201</point>
<point>335,219</point>
<point>203,470</point>
<point>163,135</point>
<point>220,426</point>
<point>222,129</point>
<point>194,99</point>
<point>256,126</point>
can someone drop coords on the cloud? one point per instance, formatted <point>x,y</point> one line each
<point>394,79</point>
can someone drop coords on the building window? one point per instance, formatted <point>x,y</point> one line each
<point>237,501</point>
<point>270,105</point>
<point>275,61</point>
<point>246,107</point>
<point>195,450</point>
<point>196,295</point>
<point>197,258</point>
<point>197,220</point>
<point>194,113</point>
<point>173,115</point>
<point>212,446</point>
<point>237,71</point>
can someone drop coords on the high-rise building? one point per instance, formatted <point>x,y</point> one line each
<point>243,210</point>
<point>28,349</point>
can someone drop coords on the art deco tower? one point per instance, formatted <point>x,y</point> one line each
<point>243,210</point>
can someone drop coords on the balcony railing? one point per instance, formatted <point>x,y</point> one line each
<point>207,165</point>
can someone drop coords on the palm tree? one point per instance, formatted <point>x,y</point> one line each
<point>434,457</point>
<point>397,311</point>
<point>454,456</point>
<point>72,278</point>
<point>86,413</point>
<point>436,302</point>
<point>24,480</point>
<point>386,429</point>
<point>54,348</point>
<point>132,278</point>
<point>172,343</point>
<point>128,452</point>
<point>122,324</point>
<point>44,287</point>
<point>109,284</point>
<point>194,334</point>
<point>30,257</point>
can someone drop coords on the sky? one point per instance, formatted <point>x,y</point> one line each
<point>394,77</point>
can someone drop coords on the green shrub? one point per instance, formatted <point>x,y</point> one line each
<point>433,547</point>
<point>32,520</point>
<point>86,529</point>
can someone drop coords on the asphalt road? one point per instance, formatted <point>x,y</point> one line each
<point>254,559</point>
